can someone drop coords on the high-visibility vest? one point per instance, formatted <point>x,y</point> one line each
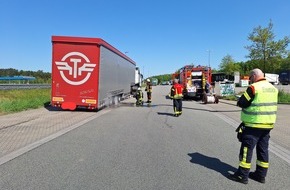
<point>177,91</point>
<point>263,109</point>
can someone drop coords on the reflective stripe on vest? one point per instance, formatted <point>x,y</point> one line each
<point>263,109</point>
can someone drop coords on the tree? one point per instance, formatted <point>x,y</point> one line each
<point>264,49</point>
<point>285,65</point>
<point>228,65</point>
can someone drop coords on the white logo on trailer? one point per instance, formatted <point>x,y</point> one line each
<point>75,71</point>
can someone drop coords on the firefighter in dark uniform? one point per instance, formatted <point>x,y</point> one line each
<point>148,89</point>
<point>139,97</point>
<point>258,115</point>
<point>176,95</point>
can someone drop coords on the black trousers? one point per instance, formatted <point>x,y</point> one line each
<point>149,96</point>
<point>177,106</point>
<point>252,138</point>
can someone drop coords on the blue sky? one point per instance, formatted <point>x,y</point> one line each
<point>161,36</point>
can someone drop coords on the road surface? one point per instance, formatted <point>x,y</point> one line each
<point>130,147</point>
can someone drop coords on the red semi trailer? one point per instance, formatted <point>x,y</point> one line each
<point>88,73</point>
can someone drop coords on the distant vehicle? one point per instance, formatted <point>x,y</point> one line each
<point>165,83</point>
<point>220,77</point>
<point>284,77</point>
<point>223,77</point>
<point>272,78</point>
<point>154,81</point>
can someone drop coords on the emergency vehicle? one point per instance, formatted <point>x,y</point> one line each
<point>196,81</point>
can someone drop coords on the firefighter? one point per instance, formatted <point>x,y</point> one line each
<point>176,95</point>
<point>207,87</point>
<point>139,97</point>
<point>148,89</point>
<point>258,115</point>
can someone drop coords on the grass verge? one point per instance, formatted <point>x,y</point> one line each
<point>283,97</point>
<point>19,100</point>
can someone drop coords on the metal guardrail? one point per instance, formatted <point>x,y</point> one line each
<point>23,86</point>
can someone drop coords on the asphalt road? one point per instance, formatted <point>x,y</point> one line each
<point>131,147</point>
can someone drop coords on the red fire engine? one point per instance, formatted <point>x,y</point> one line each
<point>196,81</point>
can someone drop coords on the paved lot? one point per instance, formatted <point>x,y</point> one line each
<point>130,148</point>
<point>21,129</point>
<point>280,134</point>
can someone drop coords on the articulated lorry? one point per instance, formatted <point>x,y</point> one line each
<point>88,73</point>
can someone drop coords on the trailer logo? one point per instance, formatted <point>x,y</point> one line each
<point>75,71</point>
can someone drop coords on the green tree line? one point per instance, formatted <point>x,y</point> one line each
<point>266,53</point>
<point>40,76</point>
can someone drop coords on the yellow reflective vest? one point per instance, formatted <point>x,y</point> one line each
<point>263,109</point>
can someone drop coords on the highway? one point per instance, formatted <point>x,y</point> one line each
<point>128,147</point>
<point>23,86</point>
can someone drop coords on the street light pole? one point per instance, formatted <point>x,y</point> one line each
<point>208,65</point>
<point>208,58</point>
<point>143,72</point>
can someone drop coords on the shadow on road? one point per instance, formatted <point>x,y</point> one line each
<point>211,163</point>
<point>211,110</point>
<point>206,110</point>
<point>56,109</point>
<point>165,113</point>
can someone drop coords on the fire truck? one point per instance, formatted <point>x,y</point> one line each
<point>196,82</point>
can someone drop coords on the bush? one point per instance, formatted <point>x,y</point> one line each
<point>283,97</point>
